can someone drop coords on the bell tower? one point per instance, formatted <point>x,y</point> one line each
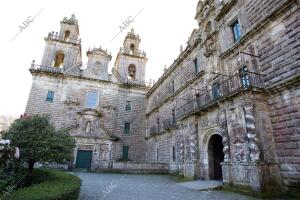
<point>131,61</point>
<point>63,49</point>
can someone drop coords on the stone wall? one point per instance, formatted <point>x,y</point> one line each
<point>256,121</point>
<point>70,99</point>
<point>285,118</point>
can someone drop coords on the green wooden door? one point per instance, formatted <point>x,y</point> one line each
<point>125,152</point>
<point>84,159</point>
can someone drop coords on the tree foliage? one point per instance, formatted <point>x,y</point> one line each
<point>38,140</point>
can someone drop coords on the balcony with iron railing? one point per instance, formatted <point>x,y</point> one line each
<point>234,85</point>
<point>155,130</point>
<point>169,124</point>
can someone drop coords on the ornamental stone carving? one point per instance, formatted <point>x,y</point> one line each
<point>224,133</point>
<point>251,135</point>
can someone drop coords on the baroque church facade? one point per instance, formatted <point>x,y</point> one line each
<point>227,108</point>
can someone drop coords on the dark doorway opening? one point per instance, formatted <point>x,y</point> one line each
<point>215,157</point>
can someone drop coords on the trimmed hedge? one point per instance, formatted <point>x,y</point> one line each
<point>49,185</point>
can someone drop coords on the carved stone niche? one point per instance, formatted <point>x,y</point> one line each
<point>89,122</point>
<point>209,47</point>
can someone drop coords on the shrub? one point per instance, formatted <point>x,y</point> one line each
<point>49,185</point>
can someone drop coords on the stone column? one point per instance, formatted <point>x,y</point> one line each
<point>254,167</point>
<point>251,135</point>
<point>226,167</point>
<point>224,133</point>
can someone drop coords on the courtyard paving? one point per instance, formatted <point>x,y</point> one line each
<point>147,187</point>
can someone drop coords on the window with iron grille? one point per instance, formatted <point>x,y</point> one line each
<point>50,96</point>
<point>127,128</point>
<point>128,106</point>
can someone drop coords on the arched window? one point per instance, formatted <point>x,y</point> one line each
<point>132,48</point>
<point>67,35</point>
<point>59,59</point>
<point>131,72</point>
<point>208,27</point>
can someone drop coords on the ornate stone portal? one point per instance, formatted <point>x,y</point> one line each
<point>91,136</point>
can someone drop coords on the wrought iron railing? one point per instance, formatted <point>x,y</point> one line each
<point>233,85</point>
<point>169,124</point>
<point>155,130</point>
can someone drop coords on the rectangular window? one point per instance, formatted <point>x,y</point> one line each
<point>147,131</point>
<point>236,31</point>
<point>173,86</point>
<point>173,117</point>
<point>127,128</point>
<point>91,100</point>
<point>128,106</point>
<point>125,152</point>
<point>50,96</point>
<point>196,66</point>
<point>158,124</point>
<point>197,100</point>
<point>215,91</point>
<point>157,155</point>
<point>174,154</point>
<point>244,76</point>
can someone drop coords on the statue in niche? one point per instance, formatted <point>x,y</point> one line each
<point>104,152</point>
<point>233,117</point>
<point>88,127</point>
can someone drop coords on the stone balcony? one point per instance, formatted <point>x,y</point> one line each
<point>137,83</point>
<point>56,37</point>
<point>137,53</point>
<point>234,85</point>
<point>41,68</point>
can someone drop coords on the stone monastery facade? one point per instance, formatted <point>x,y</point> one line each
<point>227,108</point>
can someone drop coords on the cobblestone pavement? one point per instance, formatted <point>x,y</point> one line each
<point>143,187</point>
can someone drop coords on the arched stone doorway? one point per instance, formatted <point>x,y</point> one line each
<point>215,157</point>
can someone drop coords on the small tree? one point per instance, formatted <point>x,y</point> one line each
<point>38,141</point>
